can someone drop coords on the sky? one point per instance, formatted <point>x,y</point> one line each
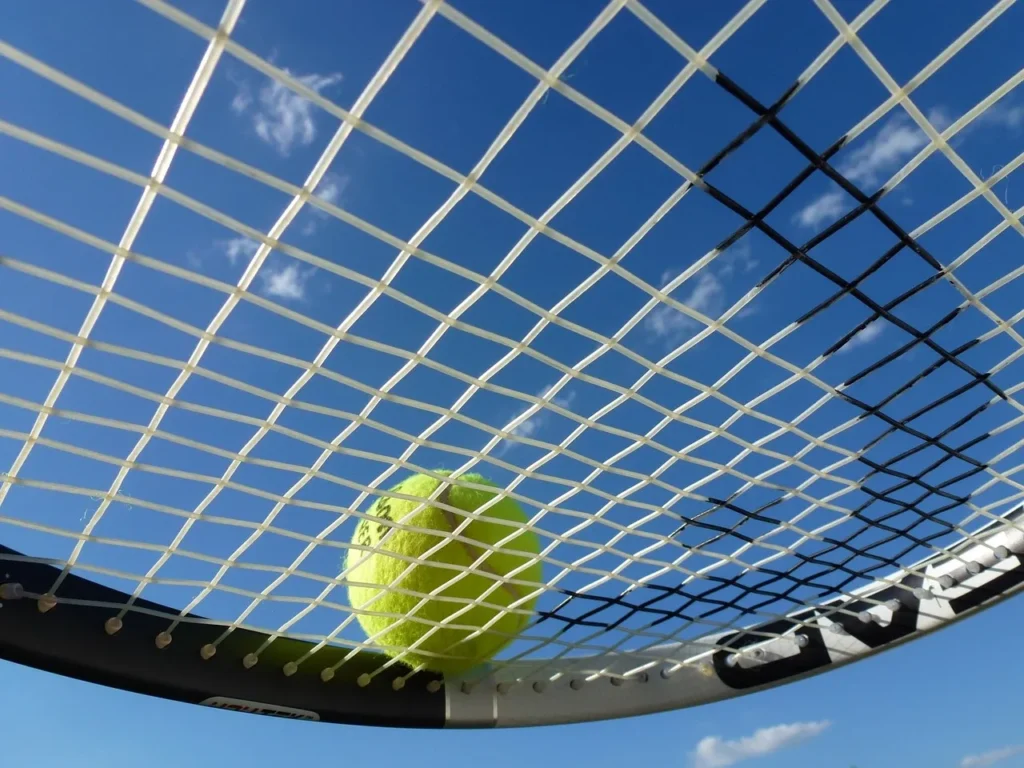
<point>943,701</point>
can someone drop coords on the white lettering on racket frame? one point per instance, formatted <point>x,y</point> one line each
<point>976,573</point>
<point>259,708</point>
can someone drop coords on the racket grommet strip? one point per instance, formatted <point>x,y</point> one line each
<point>11,590</point>
<point>46,603</point>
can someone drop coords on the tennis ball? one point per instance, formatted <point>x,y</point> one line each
<point>381,569</point>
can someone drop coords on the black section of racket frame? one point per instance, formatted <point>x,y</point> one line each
<point>71,639</point>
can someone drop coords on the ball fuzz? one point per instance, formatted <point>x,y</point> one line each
<point>374,578</point>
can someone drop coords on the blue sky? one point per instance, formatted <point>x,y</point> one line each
<point>448,99</point>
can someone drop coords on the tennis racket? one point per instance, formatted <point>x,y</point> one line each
<point>764,427</point>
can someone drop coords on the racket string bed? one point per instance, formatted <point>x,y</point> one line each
<point>734,579</point>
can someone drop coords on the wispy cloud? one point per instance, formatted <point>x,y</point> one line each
<point>1004,115</point>
<point>331,190</point>
<point>991,757</point>
<point>897,140</point>
<point>532,425</point>
<point>865,335</point>
<point>737,259</point>
<point>331,187</point>
<point>828,207</point>
<point>706,294</point>
<point>238,247</point>
<point>285,281</point>
<point>280,116</point>
<point>715,752</point>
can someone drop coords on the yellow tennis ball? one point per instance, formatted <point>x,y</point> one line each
<point>381,570</point>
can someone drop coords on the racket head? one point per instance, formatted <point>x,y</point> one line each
<point>662,590</point>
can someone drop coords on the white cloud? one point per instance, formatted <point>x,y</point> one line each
<point>242,99</point>
<point>991,757</point>
<point>865,335</point>
<point>706,296</point>
<point>532,425</point>
<point>714,752</point>
<point>237,247</point>
<point>286,282</point>
<point>1002,115</point>
<point>898,140</point>
<point>330,189</point>
<point>828,207</point>
<point>280,116</point>
<point>738,258</point>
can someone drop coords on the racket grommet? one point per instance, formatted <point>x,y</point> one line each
<point>946,581</point>
<point>893,605</point>
<point>974,567</point>
<point>576,684</point>
<point>113,625</point>
<point>643,677</point>
<point>208,651</point>
<point>162,640</point>
<point>865,617</point>
<point>46,603</point>
<point>363,680</point>
<point>801,640</point>
<point>327,674</point>
<point>504,687</point>
<point>466,687</point>
<point>666,673</point>
<point>250,660</point>
<point>433,686</point>
<point>1002,553</point>
<point>615,680</point>
<point>540,686</point>
<point>837,628</point>
<point>12,590</point>
<point>733,659</point>
<point>923,594</point>
<point>290,668</point>
<point>398,684</point>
